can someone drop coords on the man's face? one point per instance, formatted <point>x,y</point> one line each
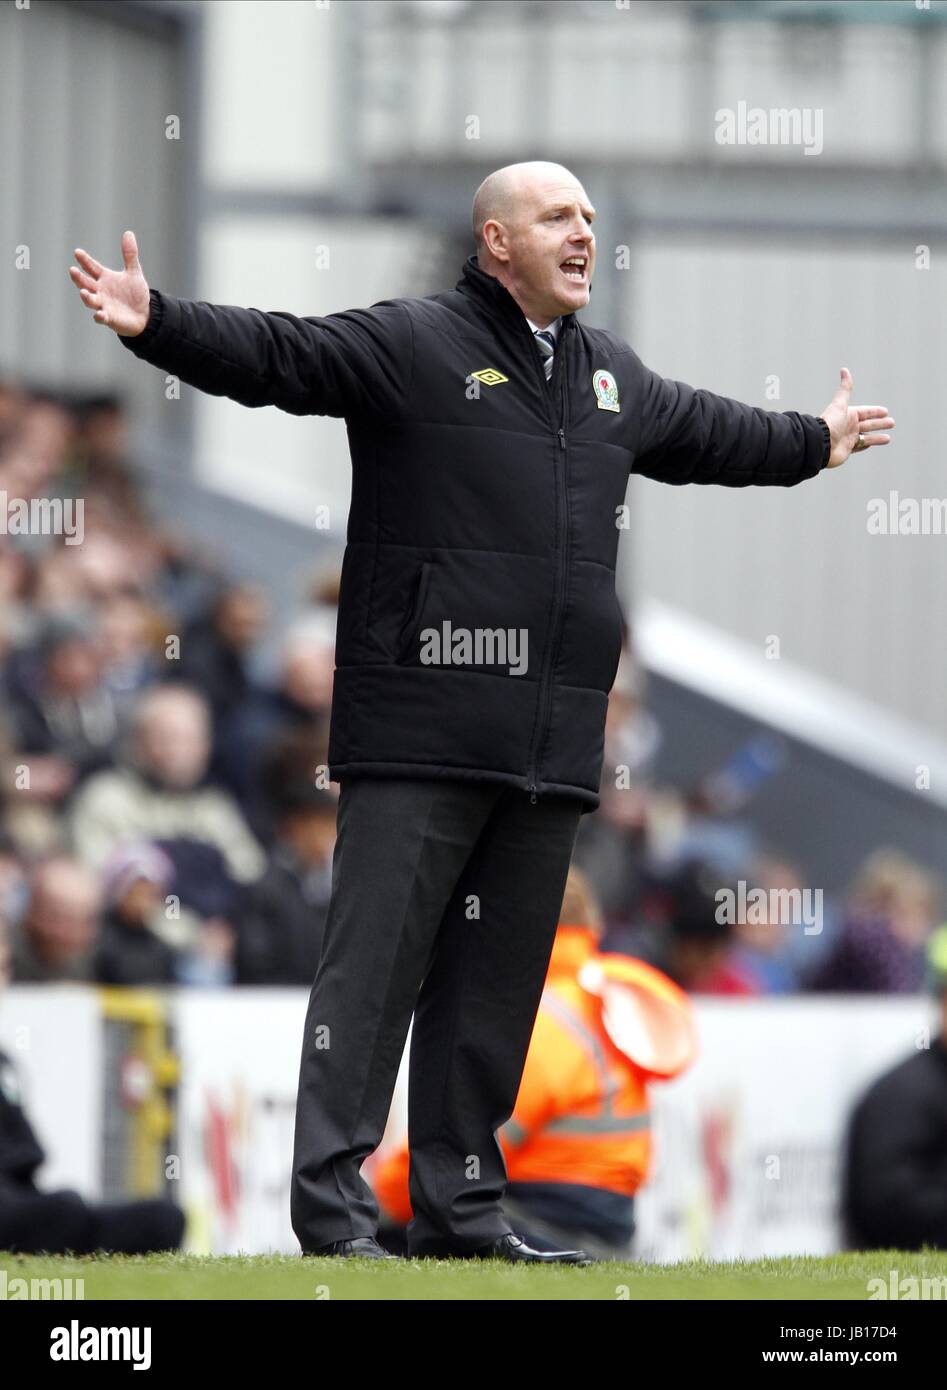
<point>549,231</point>
<point>63,914</point>
<point>174,744</point>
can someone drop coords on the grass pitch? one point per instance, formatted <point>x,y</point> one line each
<point>286,1277</point>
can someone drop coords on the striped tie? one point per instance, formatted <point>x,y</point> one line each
<point>547,346</point>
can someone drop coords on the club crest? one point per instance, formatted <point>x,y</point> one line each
<point>606,390</point>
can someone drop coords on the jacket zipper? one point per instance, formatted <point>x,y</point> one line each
<point>562,521</point>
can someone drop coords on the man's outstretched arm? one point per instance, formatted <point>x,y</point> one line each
<point>357,361</point>
<point>695,436</point>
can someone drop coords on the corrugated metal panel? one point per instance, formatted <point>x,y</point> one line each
<point>83,155</point>
<point>590,80</point>
<point>726,312</point>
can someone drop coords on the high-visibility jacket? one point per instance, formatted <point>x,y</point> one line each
<point>607,1026</point>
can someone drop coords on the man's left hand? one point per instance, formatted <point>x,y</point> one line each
<point>853,427</point>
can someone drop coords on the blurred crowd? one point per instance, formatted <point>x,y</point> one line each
<point>687,883</point>
<point>166,815</point>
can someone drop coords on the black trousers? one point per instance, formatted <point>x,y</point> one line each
<point>56,1223</point>
<point>445,902</point>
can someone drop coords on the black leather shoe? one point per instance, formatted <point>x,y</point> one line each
<point>516,1251</point>
<point>359,1247</point>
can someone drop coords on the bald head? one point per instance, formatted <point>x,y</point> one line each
<point>173,735</point>
<point>62,917</point>
<point>530,221</point>
<point>506,192</point>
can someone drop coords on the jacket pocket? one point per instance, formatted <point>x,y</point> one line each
<point>592,632</point>
<point>412,623</point>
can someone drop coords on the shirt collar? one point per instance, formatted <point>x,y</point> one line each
<point>552,328</point>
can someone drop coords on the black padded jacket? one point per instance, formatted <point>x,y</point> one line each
<point>479,630</point>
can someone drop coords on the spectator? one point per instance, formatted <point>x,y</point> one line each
<point>132,947</point>
<point>99,463</point>
<point>761,951</point>
<point>34,450</point>
<point>30,801</point>
<point>215,648</point>
<point>57,936</point>
<point>160,793</point>
<point>300,706</point>
<point>895,1163</point>
<point>207,896</point>
<point>61,708</point>
<point>880,947</point>
<point>34,1222</point>
<point>130,629</point>
<point>682,933</point>
<point>281,918</point>
<point>152,936</point>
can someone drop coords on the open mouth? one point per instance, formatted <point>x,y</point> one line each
<point>576,269</point>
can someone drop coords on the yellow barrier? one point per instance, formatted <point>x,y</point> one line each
<point>149,1069</point>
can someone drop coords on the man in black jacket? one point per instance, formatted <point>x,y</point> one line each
<point>894,1175</point>
<point>492,437</point>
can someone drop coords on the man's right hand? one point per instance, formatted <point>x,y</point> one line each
<point>121,298</point>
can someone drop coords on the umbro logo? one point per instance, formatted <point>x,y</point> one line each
<point>489,376</point>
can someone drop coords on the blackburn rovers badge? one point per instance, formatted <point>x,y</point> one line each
<point>606,390</point>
